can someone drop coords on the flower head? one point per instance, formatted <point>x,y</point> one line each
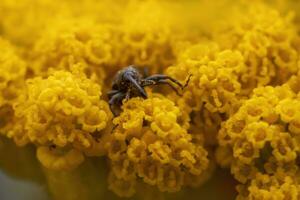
<point>63,111</point>
<point>150,143</point>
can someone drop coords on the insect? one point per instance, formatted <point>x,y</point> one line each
<point>129,83</point>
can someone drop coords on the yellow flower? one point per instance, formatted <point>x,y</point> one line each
<point>12,73</point>
<point>270,187</point>
<point>149,136</point>
<point>12,78</point>
<point>266,39</point>
<point>214,74</point>
<point>61,110</point>
<point>239,108</point>
<point>68,43</point>
<point>260,135</point>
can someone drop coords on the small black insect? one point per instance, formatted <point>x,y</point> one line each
<point>129,83</point>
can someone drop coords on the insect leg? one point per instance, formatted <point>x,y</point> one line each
<point>169,84</point>
<point>147,83</point>
<point>159,77</point>
<point>111,93</point>
<point>115,101</point>
<point>127,96</point>
<point>187,81</point>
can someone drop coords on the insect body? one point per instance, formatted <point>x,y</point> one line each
<point>129,83</point>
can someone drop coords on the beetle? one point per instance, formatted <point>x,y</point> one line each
<point>129,83</point>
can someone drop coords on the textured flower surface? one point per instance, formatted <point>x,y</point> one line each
<point>262,140</point>
<point>13,72</point>
<point>63,116</point>
<point>268,41</point>
<point>151,143</point>
<point>231,131</point>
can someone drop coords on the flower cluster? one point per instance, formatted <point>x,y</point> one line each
<point>214,73</point>
<point>267,40</point>
<point>269,187</point>
<point>12,73</point>
<point>24,21</point>
<point>12,78</point>
<point>150,142</point>
<point>213,91</point>
<point>63,116</point>
<point>262,137</point>
<point>72,43</point>
<point>146,37</point>
<point>101,48</point>
<point>239,107</point>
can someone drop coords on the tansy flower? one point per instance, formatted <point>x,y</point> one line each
<point>68,43</point>
<point>12,78</point>
<point>260,138</point>
<point>63,112</point>
<point>270,187</point>
<point>213,91</point>
<point>156,149</point>
<point>268,42</point>
<point>239,109</point>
